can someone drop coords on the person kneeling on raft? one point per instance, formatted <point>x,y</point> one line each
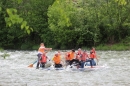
<point>57,61</point>
<point>43,60</point>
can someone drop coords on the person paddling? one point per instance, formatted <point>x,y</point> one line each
<point>95,54</point>
<point>77,59</point>
<point>83,58</point>
<point>92,57</point>
<point>86,58</point>
<point>70,57</point>
<point>57,61</point>
<point>41,50</point>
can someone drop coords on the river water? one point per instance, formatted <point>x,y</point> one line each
<point>14,71</point>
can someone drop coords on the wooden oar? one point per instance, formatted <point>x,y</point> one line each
<point>31,65</point>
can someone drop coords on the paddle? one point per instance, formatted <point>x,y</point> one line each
<point>31,65</point>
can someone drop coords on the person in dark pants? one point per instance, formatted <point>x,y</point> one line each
<point>43,60</point>
<point>58,65</point>
<point>38,61</point>
<point>70,57</point>
<point>85,58</point>
<point>92,57</point>
<point>89,60</point>
<point>57,61</point>
<point>41,50</point>
<point>77,60</point>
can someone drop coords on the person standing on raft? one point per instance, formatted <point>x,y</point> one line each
<point>41,50</point>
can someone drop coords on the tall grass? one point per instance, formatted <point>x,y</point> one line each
<point>117,47</point>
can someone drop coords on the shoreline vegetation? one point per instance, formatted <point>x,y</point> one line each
<point>65,24</point>
<point>104,47</point>
<point>113,47</point>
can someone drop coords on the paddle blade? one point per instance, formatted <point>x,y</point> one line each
<point>31,65</point>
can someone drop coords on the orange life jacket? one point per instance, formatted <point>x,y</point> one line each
<point>70,56</point>
<point>57,59</point>
<point>41,49</point>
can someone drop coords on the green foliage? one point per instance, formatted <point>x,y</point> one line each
<point>27,46</point>
<point>64,24</point>
<point>35,47</point>
<point>126,41</point>
<point>121,2</point>
<point>112,21</point>
<point>116,47</point>
<point>14,18</point>
<point>26,15</point>
<point>0,9</point>
<point>1,49</point>
<point>59,15</point>
<point>66,15</point>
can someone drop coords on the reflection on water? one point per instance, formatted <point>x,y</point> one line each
<point>14,71</point>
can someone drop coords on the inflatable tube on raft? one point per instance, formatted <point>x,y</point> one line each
<point>88,63</point>
<point>48,64</point>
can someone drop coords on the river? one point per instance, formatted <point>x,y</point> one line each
<point>14,71</point>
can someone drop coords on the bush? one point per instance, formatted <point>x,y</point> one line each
<point>27,46</point>
<point>35,47</point>
<point>1,49</point>
<point>117,47</point>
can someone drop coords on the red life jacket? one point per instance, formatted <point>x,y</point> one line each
<point>92,55</point>
<point>83,58</point>
<point>43,59</point>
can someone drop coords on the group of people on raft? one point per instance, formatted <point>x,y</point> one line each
<point>79,58</point>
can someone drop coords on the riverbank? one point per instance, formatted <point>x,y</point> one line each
<point>116,47</point>
<point>104,47</point>
<point>123,45</point>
